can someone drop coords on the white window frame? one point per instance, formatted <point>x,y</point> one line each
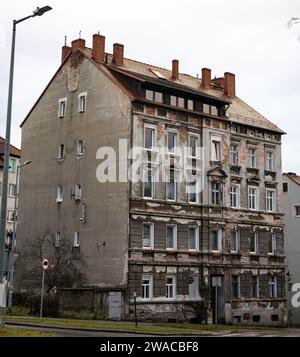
<point>238,196</point>
<point>174,287</point>
<point>173,132</point>
<point>61,152</point>
<point>77,192</point>
<point>150,285</point>
<point>152,185</point>
<point>255,198</point>
<point>12,188</point>
<point>81,102</point>
<point>197,142</point>
<point>174,237</point>
<point>189,194</point>
<point>252,157</point>
<point>80,147</point>
<point>175,189</point>
<point>220,245</point>
<point>10,215</point>
<point>273,237</point>
<point>151,235</point>
<point>268,200</point>
<point>234,152</point>
<point>269,160</point>
<point>194,286</point>
<point>196,249</point>
<point>273,283</point>
<point>154,130</point>
<point>62,104</point>
<point>255,234</point>
<point>237,241</point>
<point>214,193</point>
<point>59,194</point>
<point>214,153</point>
<point>76,239</point>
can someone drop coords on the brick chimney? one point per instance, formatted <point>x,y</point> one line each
<point>229,84</point>
<point>78,44</point>
<point>206,78</point>
<point>65,50</point>
<point>118,55</point>
<point>98,52</point>
<point>175,69</point>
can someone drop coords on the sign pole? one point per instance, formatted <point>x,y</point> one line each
<point>42,294</point>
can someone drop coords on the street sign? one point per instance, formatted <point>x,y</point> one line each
<point>45,264</point>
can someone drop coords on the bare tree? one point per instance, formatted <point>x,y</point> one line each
<point>67,264</point>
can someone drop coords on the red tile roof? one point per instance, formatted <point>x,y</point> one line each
<point>13,150</point>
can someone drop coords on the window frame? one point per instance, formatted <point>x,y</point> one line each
<point>59,194</point>
<point>216,193</point>
<point>237,194</point>
<point>272,202</point>
<point>82,104</point>
<point>61,152</point>
<point>273,287</point>
<point>252,158</point>
<point>237,241</point>
<point>10,216</point>
<point>152,183</point>
<point>269,167</point>
<point>76,239</point>
<point>62,104</point>
<point>151,238</point>
<point>255,235</point>
<point>215,139</point>
<point>272,239</point>
<point>80,145</point>
<point>12,190</point>
<point>219,240</point>
<point>175,136</point>
<point>174,239</point>
<point>296,206</point>
<point>197,141</point>
<point>235,152</point>
<point>77,192</point>
<point>153,129</point>
<point>174,197</point>
<point>174,287</point>
<point>148,277</point>
<point>196,249</point>
<point>255,188</point>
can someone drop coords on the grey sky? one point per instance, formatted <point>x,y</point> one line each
<point>249,38</point>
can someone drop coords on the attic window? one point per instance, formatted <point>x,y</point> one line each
<point>154,96</point>
<point>157,73</point>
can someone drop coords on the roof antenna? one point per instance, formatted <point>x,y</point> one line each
<point>80,34</point>
<point>65,40</point>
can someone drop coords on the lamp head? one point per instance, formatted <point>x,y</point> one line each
<point>41,10</point>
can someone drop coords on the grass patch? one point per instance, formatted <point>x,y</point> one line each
<point>16,332</point>
<point>80,315</point>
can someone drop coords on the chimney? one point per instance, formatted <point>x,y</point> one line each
<point>98,48</point>
<point>78,44</point>
<point>118,55</point>
<point>229,84</point>
<point>65,50</point>
<point>175,69</point>
<point>206,78</point>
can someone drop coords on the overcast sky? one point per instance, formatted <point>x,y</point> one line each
<point>249,38</point>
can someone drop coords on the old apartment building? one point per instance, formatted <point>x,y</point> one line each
<point>168,242</point>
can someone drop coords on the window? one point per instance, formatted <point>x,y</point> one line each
<point>173,100</point>
<point>194,288</point>
<point>193,144</point>
<point>297,210</point>
<point>149,94</point>
<point>62,103</point>
<point>171,242</point>
<point>252,198</point>
<point>273,287</point>
<point>233,154</point>
<point>57,239</point>
<point>76,240</point>
<point>171,287</point>
<point>147,287</point>
<point>82,102</point>
<point>251,132</point>
<point>254,287</point>
<point>190,104</point>
<point>172,141</point>
<point>215,149</point>
<point>12,165</point>
<point>285,187</point>
<point>206,108</point>
<point>233,129</point>
<point>270,200</point>
<point>216,240</point>
<point>252,157</point>
<point>234,241</point>
<point>154,96</point>
<point>192,191</point>
<point>149,138</point>
<point>148,235</point>
<point>235,281</point>
<point>180,102</point>
<point>214,110</point>
<point>270,161</point>
<point>77,192</point>
<point>271,243</point>
<point>61,152</point>
<point>216,193</point>
<point>177,101</point>
<point>149,185</point>
<point>253,242</point>
<point>171,188</point>
<point>234,196</point>
<point>12,190</point>
<point>59,194</point>
<point>10,215</point>
<point>269,136</point>
<point>193,242</point>
<point>80,147</point>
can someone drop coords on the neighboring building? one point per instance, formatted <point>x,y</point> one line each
<point>14,162</point>
<point>154,239</point>
<point>291,204</point>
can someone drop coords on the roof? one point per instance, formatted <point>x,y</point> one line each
<point>238,112</point>
<point>13,150</point>
<point>292,176</point>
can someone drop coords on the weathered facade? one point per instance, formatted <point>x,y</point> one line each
<point>181,251</point>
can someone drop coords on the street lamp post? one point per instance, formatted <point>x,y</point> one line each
<point>13,243</point>
<point>37,12</point>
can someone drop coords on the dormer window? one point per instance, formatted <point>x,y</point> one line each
<point>154,96</point>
